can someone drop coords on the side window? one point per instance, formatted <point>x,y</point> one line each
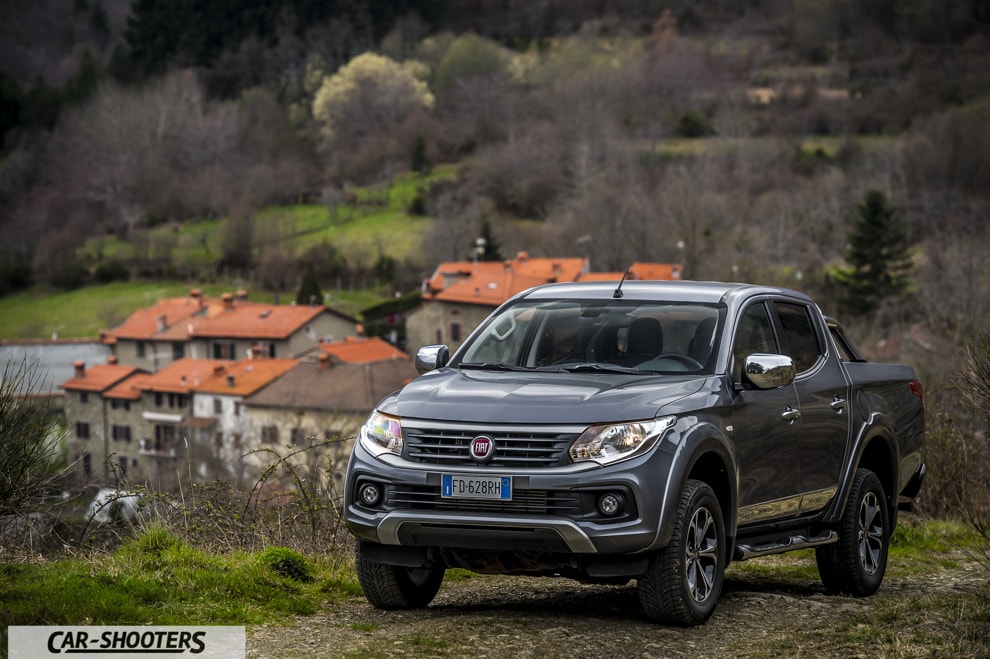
<point>753,334</point>
<point>798,335</point>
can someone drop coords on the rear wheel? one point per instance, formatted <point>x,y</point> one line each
<point>855,565</point>
<point>397,587</point>
<point>682,583</point>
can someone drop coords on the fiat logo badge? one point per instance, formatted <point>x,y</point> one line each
<point>482,448</point>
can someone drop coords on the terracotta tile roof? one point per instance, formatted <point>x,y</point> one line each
<point>98,377</point>
<point>129,389</point>
<point>245,377</point>
<point>639,270</point>
<point>362,350</point>
<point>179,319</point>
<point>182,376</point>
<point>344,388</point>
<point>491,283</point>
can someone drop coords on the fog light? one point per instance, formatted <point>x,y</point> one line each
<point>370,494</point>
<point>611,504</point>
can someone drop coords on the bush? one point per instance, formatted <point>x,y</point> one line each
<point>111,271</point>
<point>287,563</point>
<point>30,439</point>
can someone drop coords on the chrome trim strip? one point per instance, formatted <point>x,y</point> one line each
<point>575,538</point>
<point>778,508</point>
<point>812,501</point>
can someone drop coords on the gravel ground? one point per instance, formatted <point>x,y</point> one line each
<point>487,616</point>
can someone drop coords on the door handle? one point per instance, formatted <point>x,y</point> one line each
<point>838,404</point>
<point>790,414</point>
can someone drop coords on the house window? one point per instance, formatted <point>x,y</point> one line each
<point>84,397</point>
<point>297,437</point>
<point>121,433</point>
<point>269,434</point>
<point>122,462</point>
<point>140,349</point>
<point>159,399</point>
<point>223,350</point>
<point>439,337</point>
<point>82,430</point>
<point>455,331</point>
<point>217,406</point>
<point>238,408</point>
<point>120,404</point>
<point>87,461</point>
<point>178,350</point>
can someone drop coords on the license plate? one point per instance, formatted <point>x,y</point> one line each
<point>476,487</point>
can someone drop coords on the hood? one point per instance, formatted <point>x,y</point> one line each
<point>510,397</point>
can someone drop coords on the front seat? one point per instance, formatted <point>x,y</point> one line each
<point>644,341</point>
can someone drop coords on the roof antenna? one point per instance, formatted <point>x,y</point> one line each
<point>618,289</point>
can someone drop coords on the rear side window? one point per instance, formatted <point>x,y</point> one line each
<point>798,337</point>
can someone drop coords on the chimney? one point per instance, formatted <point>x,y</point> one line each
<point>112,359</point>
<point>182,380</point>
<point>230,379</point>
<point>80,367</point>
<point>218,369</point>
<point>242,295</point>
<point>312,300</point>
<point>522,256</point>
<point>196,295</point>
<point>324,361</point>
<point>162,325</point>
<point>228,301</point>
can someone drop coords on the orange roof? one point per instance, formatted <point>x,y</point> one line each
<point>491,283</point>
<point>182,376</point>
<point>363,351</point>
<point>129,389</point>
<point>257,321</point>
<point>179,319</point>
<point>245,377</point>
<point>99,377</point>
<point>639,270</point>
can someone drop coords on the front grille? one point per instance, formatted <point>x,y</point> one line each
<point>513,448</point>
<point>524,502</point>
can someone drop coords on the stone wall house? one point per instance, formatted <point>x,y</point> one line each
<point>93,422</point>
<point>314,411</point>
<point>231,327</point>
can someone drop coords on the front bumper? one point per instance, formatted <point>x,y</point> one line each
<point>553,510</point>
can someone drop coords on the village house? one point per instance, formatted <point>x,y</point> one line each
<point>231,327</point>
<point>97,425</point>
<point>315,410</point>
<point>461,294</point>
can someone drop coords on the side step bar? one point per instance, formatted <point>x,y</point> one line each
<point>745,552</point>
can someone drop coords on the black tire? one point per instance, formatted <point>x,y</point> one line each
<point>394,587</point>
<point>683,582</point>
<point>855,565</point>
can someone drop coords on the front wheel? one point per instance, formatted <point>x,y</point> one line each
<point>682,583</point>
<point>855,565</point>
<point>396,587</point>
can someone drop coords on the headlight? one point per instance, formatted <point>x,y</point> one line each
<point>382,434</point>
<point>619,441</point>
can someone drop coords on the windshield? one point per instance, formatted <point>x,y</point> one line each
<point>596,336</point>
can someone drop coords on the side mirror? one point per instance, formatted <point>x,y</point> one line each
<point>429,358</point>
<point>769,371</point>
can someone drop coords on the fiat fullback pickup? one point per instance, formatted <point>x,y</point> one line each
<point>647,431</point>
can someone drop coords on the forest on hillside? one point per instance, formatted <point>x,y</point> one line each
<point>738,138</point>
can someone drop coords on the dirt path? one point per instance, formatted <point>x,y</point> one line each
<point>533,617</point>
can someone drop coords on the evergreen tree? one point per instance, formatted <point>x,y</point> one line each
<point>879,257</point>
<point>492,250</point>
<point>309,288</point>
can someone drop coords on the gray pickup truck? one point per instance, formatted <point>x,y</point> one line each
<point>650,431</point>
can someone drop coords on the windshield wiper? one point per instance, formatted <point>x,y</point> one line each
<point>600,368</point>
<point>492,366</point>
